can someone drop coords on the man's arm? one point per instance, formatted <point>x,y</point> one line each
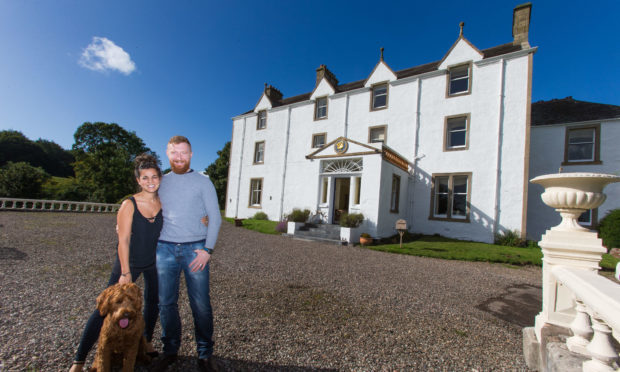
<point>209,198</point>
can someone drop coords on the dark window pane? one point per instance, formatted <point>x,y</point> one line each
<point>442,185</point>
<point>442,205</point>
<point>457,139</point>
<point>459,205</point>
<point>458,86</point>
<point>581,152</point>
<point>460,185</point>
<point>380,101</point>
<point>581,136</point>
<point>586,217</point>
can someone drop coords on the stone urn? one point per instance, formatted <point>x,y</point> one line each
<point>571,194</point>
<point>568,244</point>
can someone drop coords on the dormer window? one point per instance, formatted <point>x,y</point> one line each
<point>320,108</point>
<point>459,80</point>
<point>261,121</point>
<point>379,96</point>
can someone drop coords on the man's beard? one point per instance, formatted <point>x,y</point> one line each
<point>179,169</point>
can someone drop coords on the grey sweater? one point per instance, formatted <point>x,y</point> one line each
<point>185,199</point>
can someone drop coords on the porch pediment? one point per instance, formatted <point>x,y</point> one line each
<point>343,147</point>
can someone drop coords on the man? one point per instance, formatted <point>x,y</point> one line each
<point>186,244</point>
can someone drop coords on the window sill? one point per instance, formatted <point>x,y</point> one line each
<point>460,148</point>
<point>255,206</point>
<point>449,219</point>
<point>594,162</point>
<point>319,119</point>
<point>261,163</point>
<point>378,108</point>
<point>460,94</point>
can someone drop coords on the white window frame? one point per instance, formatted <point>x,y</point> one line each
<point>374,95</point>
<point>261,120</point>
<point>256,193</point>
<point>259,154</point>
<point>451,121</point>
<point>319,104</point>
<point>449,194</point>
<point>376,128</point>
<point>455,70</point>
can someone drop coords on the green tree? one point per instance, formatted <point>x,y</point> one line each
<point>104,160</point>
<point>218,173</point>
<point>16,147</point>
<point>21,180</point>
<point>58,161</point>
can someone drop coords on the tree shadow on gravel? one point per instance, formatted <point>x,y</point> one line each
<point>518,305</point>
<point>8,253</point>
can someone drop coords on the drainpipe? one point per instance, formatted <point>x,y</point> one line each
<point>240,166</point>
<point>500,140</point>
<point>416,147</point>
<point>346,117</point>
<point>288,131</point>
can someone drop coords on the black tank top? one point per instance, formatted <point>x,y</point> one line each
<point>144,235</point>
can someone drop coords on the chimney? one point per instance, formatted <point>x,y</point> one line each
<point>521,24</point>
<point>321,72</point>
<point>273,94</point>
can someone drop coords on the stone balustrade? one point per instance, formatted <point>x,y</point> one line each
<point>56,205</point>
<point>597,317</point>
<point>580,316</point>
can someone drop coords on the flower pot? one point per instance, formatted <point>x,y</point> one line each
<point>365,241</point>
<point>238,222</point>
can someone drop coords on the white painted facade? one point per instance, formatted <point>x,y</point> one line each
<point>495,158</point>
<point>547,156</point>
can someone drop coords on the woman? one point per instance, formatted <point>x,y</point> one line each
<point>139,222</point>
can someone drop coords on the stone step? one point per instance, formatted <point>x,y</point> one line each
<point>314,238</point>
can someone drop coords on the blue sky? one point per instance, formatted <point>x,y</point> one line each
<point>187,67</point>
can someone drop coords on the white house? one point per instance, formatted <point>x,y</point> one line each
<point>575,136</point>
<point>444,145</point>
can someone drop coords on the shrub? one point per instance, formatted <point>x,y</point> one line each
<point>297,215</point>
<point>282,227</point>
<point>510,238</point>
<point>365,235</point>
<point>260,216</point>
<point>351,220</point>
<point>609,229</point>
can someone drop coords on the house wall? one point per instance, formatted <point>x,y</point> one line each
<point>547,155</point>
<point>497,106</point>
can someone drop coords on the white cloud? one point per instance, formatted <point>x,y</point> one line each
<point>103,55</point>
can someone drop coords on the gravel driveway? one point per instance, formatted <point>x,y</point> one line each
<point>280,304</point>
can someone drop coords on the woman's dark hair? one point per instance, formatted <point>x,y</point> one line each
<point>146,161</point>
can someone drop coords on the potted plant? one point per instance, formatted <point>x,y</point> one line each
<point>350,226</point>
<point>365,239</point>
<point>296,219</point>
<point>238,222</point>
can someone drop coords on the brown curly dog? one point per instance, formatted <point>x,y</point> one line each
<point>121,337</point>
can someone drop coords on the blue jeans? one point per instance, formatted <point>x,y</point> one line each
<point>172,258</point>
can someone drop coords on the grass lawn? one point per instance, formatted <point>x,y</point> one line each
<point>451,249</point>
<point>262,226</point>
<point>447,249</point>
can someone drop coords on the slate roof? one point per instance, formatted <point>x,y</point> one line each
<point>411,71</point>
<point>569,110</point>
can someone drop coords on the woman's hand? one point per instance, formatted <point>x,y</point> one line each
<point>125,279</point>
<point>205,220</point>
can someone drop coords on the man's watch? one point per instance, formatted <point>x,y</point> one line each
<point>209,250</point>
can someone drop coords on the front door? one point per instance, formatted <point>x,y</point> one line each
<point>341,197</point>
